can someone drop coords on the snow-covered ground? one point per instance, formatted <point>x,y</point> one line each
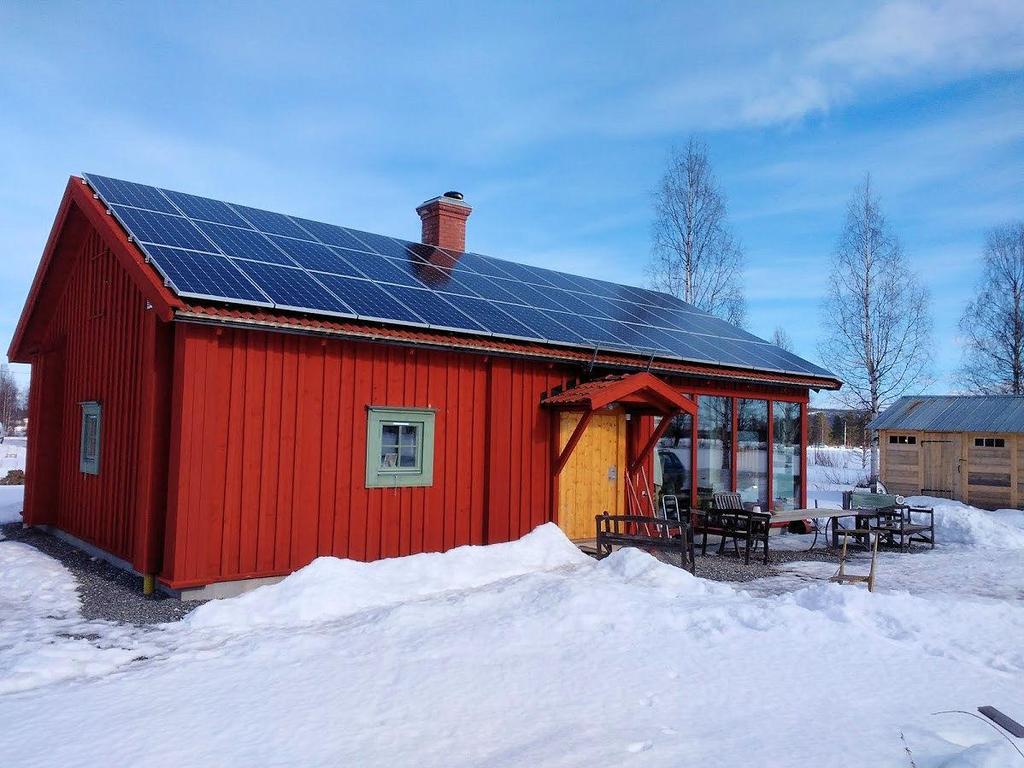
<point>12,455</point>
<point>531,654</point>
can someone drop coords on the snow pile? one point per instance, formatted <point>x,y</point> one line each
<point>329,587</point>
<point>11,498</point>
<point>958,523</point>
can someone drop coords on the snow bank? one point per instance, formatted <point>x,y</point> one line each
<point>330,587</point>
<point>11,498</point>
<point>958,523</point>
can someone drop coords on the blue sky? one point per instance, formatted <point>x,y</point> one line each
<point>553,119</point>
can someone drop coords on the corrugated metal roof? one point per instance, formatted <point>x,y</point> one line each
<point>954,413</point>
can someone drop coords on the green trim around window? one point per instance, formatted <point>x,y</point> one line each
<point>399,447</point>
<point>90,439</point>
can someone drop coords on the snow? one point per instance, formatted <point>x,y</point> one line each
<point>11,498</point>
<point>329,588</point>
<point>528,654</point>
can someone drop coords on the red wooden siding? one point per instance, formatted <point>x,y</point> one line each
<point>268,452</point>
<point>91,349</point>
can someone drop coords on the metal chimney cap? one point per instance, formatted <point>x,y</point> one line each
<point>454,195</point>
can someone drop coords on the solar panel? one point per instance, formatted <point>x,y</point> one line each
<point>272,223</point>
<point>293,288</point>
<point>219,251</point>
<point>314,256</point>
<point>331,234</point>
<point>369,300</point>
<point>205,275</point>
<point>434,309</point>
<point>244,243</point>
<point>162,229</point>
<point>128,193</point>
<point>493,318</point>
<point>530,295</point>
<point>205,209</point>
<point>381,269</point>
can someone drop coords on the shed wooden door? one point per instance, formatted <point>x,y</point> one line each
<point>940,459</point>
<point>593,480</point>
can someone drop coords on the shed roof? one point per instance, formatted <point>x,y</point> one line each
<point>954,413</point>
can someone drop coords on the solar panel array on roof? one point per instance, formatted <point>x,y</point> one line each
<point>215,251</point>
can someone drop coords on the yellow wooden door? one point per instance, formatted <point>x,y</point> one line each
<point>593,480</point>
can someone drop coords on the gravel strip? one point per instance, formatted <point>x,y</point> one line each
<point>106,591</point>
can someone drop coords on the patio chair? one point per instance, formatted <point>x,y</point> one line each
<point>899,527</point>
<point>727,519</point>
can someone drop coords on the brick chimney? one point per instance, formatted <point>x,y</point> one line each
<point>444,221</point>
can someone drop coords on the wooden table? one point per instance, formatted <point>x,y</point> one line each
<point>862,517</point>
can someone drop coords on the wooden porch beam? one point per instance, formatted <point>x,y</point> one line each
<point>656,435</point>
<point>570,446</point>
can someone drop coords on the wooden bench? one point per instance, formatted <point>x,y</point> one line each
<point>647,533</point>
<point>899,528</point>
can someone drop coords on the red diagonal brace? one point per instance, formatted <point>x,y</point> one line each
<point>656,435</point>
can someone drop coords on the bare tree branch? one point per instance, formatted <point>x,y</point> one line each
<point>781,339</point>
<point>694,256</point>
<point>876,314</point>
<point>992,324</point>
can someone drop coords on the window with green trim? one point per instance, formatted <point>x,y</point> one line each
<point>399,447</point>
<point>89,446</point>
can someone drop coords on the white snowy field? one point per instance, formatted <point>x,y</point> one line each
<point>529,654</point>
<point>12,456</point>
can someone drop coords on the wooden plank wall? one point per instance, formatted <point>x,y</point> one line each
<point>990,472</point>
<point>93,342</point>
<point>268,452</point>
<point>990,478</point>
<point>900,465</point>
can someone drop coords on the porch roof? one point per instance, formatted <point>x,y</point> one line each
<point>637,392</point>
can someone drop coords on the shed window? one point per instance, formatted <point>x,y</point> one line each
<point>989,442</point>
<point>399,447</point>
<point>89,449</point>
<point>903,439</point>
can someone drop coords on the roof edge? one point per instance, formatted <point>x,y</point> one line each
<point>78,196</point>
<point>375,332</point>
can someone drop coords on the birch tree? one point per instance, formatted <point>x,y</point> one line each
<point>781,339</point>
<point>992,325</point>
<point>694,255</point>
<point>876,316</point>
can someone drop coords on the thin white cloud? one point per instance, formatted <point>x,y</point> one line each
<point>906,41</point>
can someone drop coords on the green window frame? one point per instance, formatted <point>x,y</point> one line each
<point>399,447</point>
<point>89,442</point>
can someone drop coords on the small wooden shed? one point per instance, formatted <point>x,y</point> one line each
<point>962,447</point>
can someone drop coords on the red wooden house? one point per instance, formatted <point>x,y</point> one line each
<point>201,413</point>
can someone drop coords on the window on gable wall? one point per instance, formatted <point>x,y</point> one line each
<point>399,447</point>
<point>89,447</point>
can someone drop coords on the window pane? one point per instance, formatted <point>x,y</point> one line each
<point>786,454</point>
<point>407,457</point>
<point>389,434</point>
<point>752,451</point>
<point>90,437</point>
<point>674,457</point>
<point>409,435</point>
<point>714,446</point>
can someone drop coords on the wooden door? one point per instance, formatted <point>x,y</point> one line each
<point>940,460</point>
<point>593,480</point>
